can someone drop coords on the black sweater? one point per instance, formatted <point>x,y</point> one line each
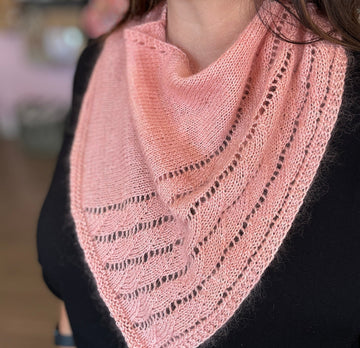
<point>308,297</point>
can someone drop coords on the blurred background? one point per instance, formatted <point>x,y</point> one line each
<point>40,42</point>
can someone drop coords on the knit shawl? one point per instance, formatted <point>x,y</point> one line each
<point>184,185</point>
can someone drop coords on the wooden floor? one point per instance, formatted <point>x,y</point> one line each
<point>28,309</point>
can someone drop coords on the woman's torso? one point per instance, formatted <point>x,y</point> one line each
<point>308,297</point>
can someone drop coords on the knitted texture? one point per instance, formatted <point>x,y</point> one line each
<point>183,185</point>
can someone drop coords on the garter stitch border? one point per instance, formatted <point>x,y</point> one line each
<point>183,186</point>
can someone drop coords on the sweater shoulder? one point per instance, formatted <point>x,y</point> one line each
<point>349,114</point>
<point>84,67</point>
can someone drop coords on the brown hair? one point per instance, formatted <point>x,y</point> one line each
<point>343,16</point>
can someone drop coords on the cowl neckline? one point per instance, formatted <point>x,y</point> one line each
<point>183,186</point>
<point>151,33</point>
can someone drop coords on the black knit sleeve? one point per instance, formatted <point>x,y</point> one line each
<point>52,234</point>
<point>83,71</point>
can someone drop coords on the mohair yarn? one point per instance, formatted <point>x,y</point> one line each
<point>184,185</point>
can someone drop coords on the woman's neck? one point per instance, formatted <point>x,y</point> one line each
<point>204,29</point>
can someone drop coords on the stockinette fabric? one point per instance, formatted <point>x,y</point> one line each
<point>183,185</point>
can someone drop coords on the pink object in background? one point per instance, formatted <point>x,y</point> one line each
<point>100,15</point>
<point>23,80</point>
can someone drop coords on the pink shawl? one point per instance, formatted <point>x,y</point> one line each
<point>183,186</point>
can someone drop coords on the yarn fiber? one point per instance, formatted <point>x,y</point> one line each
<point>184,185</point>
